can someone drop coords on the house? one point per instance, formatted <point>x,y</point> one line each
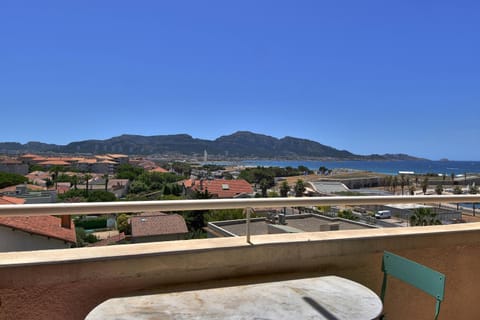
<point>158,169</point>
<point>220,188</point>
<point>31,194</point>
<point>34,232</point>
<point>158,226</point>
<point>13,166</point>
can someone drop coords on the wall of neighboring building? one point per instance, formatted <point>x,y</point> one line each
<point>17,240</point>
<point>21,169</point>
<point>167,237</point>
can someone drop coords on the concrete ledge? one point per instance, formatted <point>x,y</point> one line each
<point>60,284</point>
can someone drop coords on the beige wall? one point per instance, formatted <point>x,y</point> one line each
<point>17,240</point>
<point>66,284</point>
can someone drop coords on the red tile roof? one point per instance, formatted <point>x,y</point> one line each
<point>54,163</point>
<point>29,155</point>
<point>224,188</point>
<point>108,241</point>
<point>14,188</point>
<point>158,169</point>
<point>157,223</point>
<point>11,200</point>
<point>48,226</point>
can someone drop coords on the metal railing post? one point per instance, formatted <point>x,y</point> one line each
<point>248,212</point>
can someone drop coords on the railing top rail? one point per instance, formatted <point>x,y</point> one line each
<point>185,205</point>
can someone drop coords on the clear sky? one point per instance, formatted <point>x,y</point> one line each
<point>365,76</point>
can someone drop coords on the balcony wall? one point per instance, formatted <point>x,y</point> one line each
<point>67,284</point>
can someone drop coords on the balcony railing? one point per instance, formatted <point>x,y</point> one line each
<point>67,283</point>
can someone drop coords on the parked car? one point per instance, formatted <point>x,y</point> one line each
<point>383,214</point>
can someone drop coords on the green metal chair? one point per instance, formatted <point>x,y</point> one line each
<point>417,275</point>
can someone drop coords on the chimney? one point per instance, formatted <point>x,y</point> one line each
<point>66,221</point>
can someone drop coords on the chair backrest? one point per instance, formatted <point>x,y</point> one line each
<point>415,274</point>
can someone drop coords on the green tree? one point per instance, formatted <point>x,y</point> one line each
<point>457,190</point>
<point>452,177</point>
<point>424,217</point>
<point>347,214</point>
<point>439,189</point>
<point>322,170</point>
<point>72,196</point>
<point>137,187</point>
<point>273,194</point>
<point>11,179</point>
<point>226,214</point>
<point>284,189</point>
<point>127,171</point>
<point>101,196</point>
<point>122,223</point>
<point>473,189</point>
<point>196,219</point>
<point>299,188</point>
<point>84,238</point>
<point>264,186</point>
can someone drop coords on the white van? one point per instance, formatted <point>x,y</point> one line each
<point>383,214</point>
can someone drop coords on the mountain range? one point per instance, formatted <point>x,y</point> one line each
<point>241,144</point>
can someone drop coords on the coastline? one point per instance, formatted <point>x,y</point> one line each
<point>390,167</point>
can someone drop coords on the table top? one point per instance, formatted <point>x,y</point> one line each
<point>328,297</point>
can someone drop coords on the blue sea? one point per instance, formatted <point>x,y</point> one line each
<point>386,167</point>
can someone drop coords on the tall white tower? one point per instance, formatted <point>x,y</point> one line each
<point>205,155</point>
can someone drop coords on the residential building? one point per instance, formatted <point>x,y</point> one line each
<point>13,166</point>
<point>220,188</point>
<point>24,191</point>
<point>34,232</point>
<point>157,226</point>
<point>279,223</point>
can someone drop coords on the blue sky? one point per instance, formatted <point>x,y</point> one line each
<point>365,76</point>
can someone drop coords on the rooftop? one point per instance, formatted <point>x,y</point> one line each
<point>300,223</point>
<point>157,223</point>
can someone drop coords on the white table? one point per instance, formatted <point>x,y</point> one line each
<point>329,297</point>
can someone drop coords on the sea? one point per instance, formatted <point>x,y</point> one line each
<point>386,167</point>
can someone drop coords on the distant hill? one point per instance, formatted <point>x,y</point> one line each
<point>242,144</point>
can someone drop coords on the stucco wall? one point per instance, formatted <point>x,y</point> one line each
<point>16,240</point>
<point>66,284</point>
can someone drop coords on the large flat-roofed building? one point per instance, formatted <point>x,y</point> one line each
<point>290,224</point>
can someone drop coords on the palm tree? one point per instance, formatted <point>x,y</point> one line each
<point>105,177</point>
<point>473,190</point>
<point>452,176</point>
<point>394,184</point>
<point>424,217</point>
<point>457,190</point>
<point>412,189</point>
<point>425,185</point>
<point>387,181</point>
<point>74,181</point>
<point>402,182</point>
<point>87,177</point>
